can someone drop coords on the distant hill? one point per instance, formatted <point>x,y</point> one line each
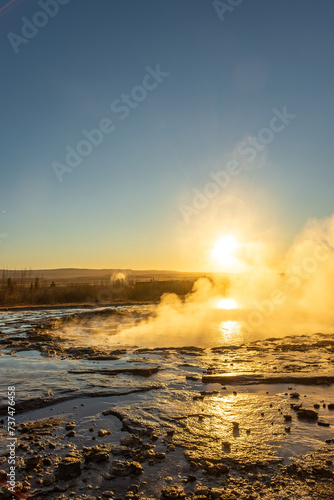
<point>67,275</point>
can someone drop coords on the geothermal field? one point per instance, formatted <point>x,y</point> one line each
<point>105,409</point>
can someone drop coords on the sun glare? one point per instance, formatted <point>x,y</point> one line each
<point>227,304</point>
<point>224,250</point>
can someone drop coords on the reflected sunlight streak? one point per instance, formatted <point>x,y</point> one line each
<point>230,331</point>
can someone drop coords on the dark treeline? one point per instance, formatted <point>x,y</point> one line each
<point>23,288</point>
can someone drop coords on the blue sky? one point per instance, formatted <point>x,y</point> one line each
<point>122,206</point>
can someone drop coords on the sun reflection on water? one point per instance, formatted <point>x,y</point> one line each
<point>230,331</point>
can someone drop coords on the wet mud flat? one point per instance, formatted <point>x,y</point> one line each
<point>104,421</point>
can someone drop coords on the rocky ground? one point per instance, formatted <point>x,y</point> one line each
<point>245,421</point>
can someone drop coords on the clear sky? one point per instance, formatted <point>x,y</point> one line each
<point>180,89</point>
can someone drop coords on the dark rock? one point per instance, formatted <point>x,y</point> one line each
<point>173,492</point>
<point>202,491</point>
<point>95,454</point>
<point>307,414</point>
<point>216,469</point>
<point>226,445</point>
<point>295,406</point>
<point>68,468</point>
<point>331,406</point>
<point>125,468</point>
<point>323,424</point>
<point>33,462</point>
<point>48,480</point>
<point>131,441</point>
<point>319,471</point>
<point>198,398</point>
<point>69,426</point>
<point>103,432</point>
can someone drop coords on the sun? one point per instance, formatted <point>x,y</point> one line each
<point>227,304</point>
<point>223,252</point>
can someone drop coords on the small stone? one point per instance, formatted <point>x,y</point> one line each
<point>108,494</point>
<point>103,432</point>
<point>125,468</point>
<point>69,426</point>
<point>71,434</point>
<point>173,492</point>
<point>288,418</point>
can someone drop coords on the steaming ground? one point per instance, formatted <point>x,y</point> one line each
<point>96,420</point>
<point>183,399</point>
